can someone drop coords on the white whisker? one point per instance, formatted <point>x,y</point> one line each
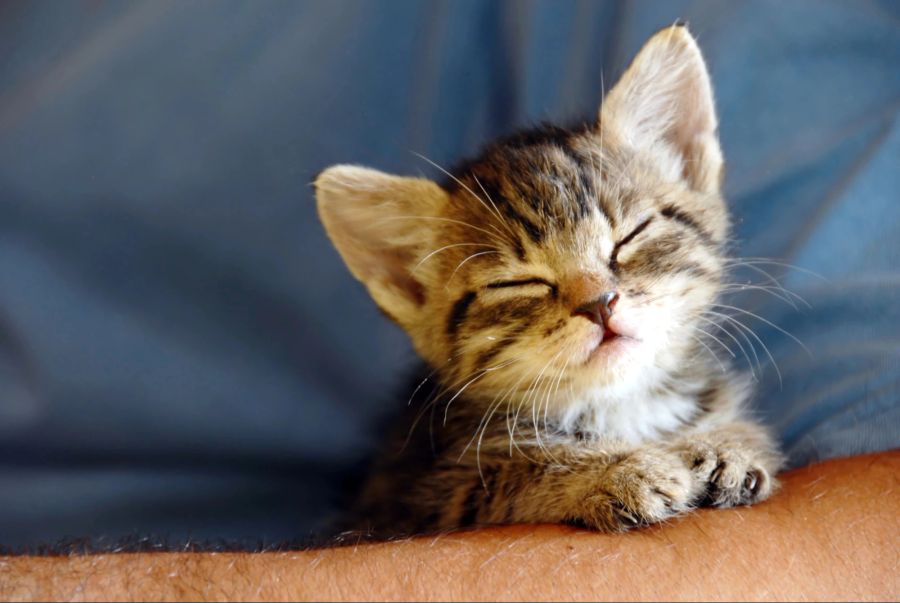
<point>752,333</point>
<point>460,265</point>
<point>708,349</point>
<point>445,247</point>
<point>768,322</point>
<point>493,235</point>
<point>733,338</point>
<point>462,184</point>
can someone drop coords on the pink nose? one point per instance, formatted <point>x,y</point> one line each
<point>599,310</point>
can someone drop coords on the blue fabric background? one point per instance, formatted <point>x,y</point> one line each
<point>182,354</point>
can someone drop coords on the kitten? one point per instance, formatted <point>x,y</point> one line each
<point>559,288</point>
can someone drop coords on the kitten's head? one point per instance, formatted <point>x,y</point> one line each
<point>559,261</point>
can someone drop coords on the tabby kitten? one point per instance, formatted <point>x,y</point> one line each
<point>559,288</point>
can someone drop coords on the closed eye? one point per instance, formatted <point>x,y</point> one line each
<point>613,258</point>
<point>525,282</point>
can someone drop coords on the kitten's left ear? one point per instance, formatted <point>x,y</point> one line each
<point>375,221</point>
<point>663,107</point>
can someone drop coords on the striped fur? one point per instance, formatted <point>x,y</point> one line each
<point>530,413</point>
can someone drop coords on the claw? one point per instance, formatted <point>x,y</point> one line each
<point>717,472</point>
<point>750,481</point>
<point>626,517</point>
<point>668,501</point>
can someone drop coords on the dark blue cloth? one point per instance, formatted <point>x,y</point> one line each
<point>183,355</point>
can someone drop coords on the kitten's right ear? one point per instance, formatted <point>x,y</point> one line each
<point>374,221</point>
<point>663,106</point>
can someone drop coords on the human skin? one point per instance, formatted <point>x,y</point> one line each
<point>831,533</point>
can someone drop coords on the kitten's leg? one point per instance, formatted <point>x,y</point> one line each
<point>739,461</point>
<point>605,492</point>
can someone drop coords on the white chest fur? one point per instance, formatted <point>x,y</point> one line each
<point>630,419</point>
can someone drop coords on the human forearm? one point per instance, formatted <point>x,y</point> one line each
<point>831,533</point>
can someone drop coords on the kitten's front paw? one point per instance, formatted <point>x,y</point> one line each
<point>733,475</point>
<point>736,480</point>
<point>644,488</point>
